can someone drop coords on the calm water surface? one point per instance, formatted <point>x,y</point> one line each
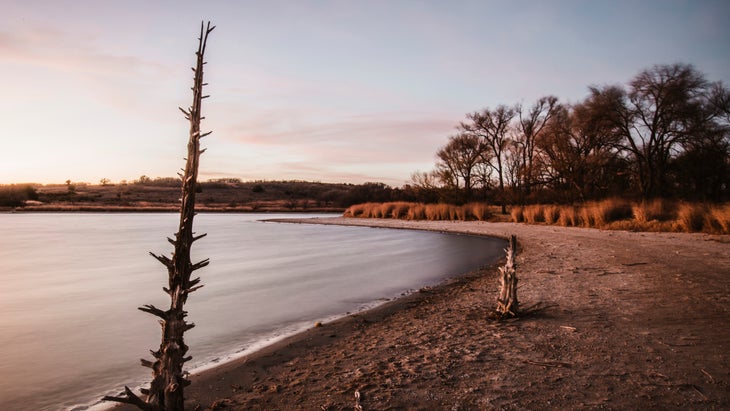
<point>70,284</point>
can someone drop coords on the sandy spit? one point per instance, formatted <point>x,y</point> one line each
<point>621,320</point>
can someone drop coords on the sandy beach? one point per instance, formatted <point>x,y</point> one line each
<point>620,320</point>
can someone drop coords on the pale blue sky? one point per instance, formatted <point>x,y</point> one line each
<point>334,91</point>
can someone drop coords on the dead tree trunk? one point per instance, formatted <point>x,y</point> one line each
<point>168,380</point>
<point>507,301</point>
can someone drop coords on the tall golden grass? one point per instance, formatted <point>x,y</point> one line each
<point>420,211</point>
<point>656,215</point>
<point>614,213</point>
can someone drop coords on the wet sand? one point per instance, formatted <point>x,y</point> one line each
<point>619,320</point>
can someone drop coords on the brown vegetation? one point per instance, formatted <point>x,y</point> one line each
<point>617,214</point>
<point>419,211</point>
<point>656,215</point>
<point>16,195</point>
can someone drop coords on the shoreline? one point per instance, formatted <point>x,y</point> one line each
<point>163,209</point>
<point>615,329</point>
<point>284,338</point>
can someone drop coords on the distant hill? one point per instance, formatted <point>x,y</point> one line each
<point>163,194</point>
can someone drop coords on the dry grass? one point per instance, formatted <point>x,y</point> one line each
<point>569,217</point>
<point>719,217</point>
<point>517,214</point>
<point>400,209</point>
<point>552,214</point>
<point>533,214</point>
<point>691,217</point>
<point>613,214</point>
<point>419,211</point>
<point>416,212</point>
<point>479,211</point>
<point>608,211</point>
<point>438,212</point>
<point>655,210</point>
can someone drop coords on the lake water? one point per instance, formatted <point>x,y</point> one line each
<point>70,285</point>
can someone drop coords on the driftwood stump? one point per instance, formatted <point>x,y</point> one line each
<point>168,379</point>
<point>507,304</point>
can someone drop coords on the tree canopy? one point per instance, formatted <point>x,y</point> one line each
<point>666,133</point>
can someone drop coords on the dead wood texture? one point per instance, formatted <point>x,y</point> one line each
<point>507,304</point>
<point>168,379</point>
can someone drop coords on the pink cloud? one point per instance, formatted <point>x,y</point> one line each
<point>357,138</point>
<point>55,49</point>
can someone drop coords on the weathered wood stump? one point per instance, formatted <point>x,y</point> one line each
<point>507,304</point>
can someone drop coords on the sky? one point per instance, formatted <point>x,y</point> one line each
<point>330,91</point>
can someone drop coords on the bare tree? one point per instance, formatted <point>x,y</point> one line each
<point>661,100</point>
<point>166,392</point>
<point>720,101</point>
<point>513,166</point>
<point>458,161</point>
<point>702,169</point>
<point>425,185</point>
<point>531,124</point>
<point>666,134</point>
<point>580,154</point>
<point>492,127</point>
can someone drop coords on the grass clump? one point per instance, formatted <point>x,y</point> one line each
<point>533,214</point>
<point>551,214</point>
<point>691,217</point>
<point>719,219</point>
<point>568,217</point>
<point>654,210</point>
<point>608,211</point>
<point>416,212</point>
<point>517,214</point>
<point>479,211</point>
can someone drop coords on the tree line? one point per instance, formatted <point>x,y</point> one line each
<point>665,134</point>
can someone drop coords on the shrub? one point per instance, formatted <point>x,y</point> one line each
<point>551,214</point>
<point>517,214</point>
<point>364,210</point>
<point>386,210</point>
<point>400,209</point>
<point>691,217</point>
<point>719,217</point>
<point>586,217</point>
<point>657,209</point>
<point>16,195</point>
<point>416,212</point>
<point>479,211</point>
<point>568,217</point>
<point>437,212</point>
<point>454,213</point>
<point>534,214</point>
<point>608,211</point>
<point>460,213</point>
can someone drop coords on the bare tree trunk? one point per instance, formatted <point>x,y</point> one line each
<point>507,304</point>
<point>168,380</point>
